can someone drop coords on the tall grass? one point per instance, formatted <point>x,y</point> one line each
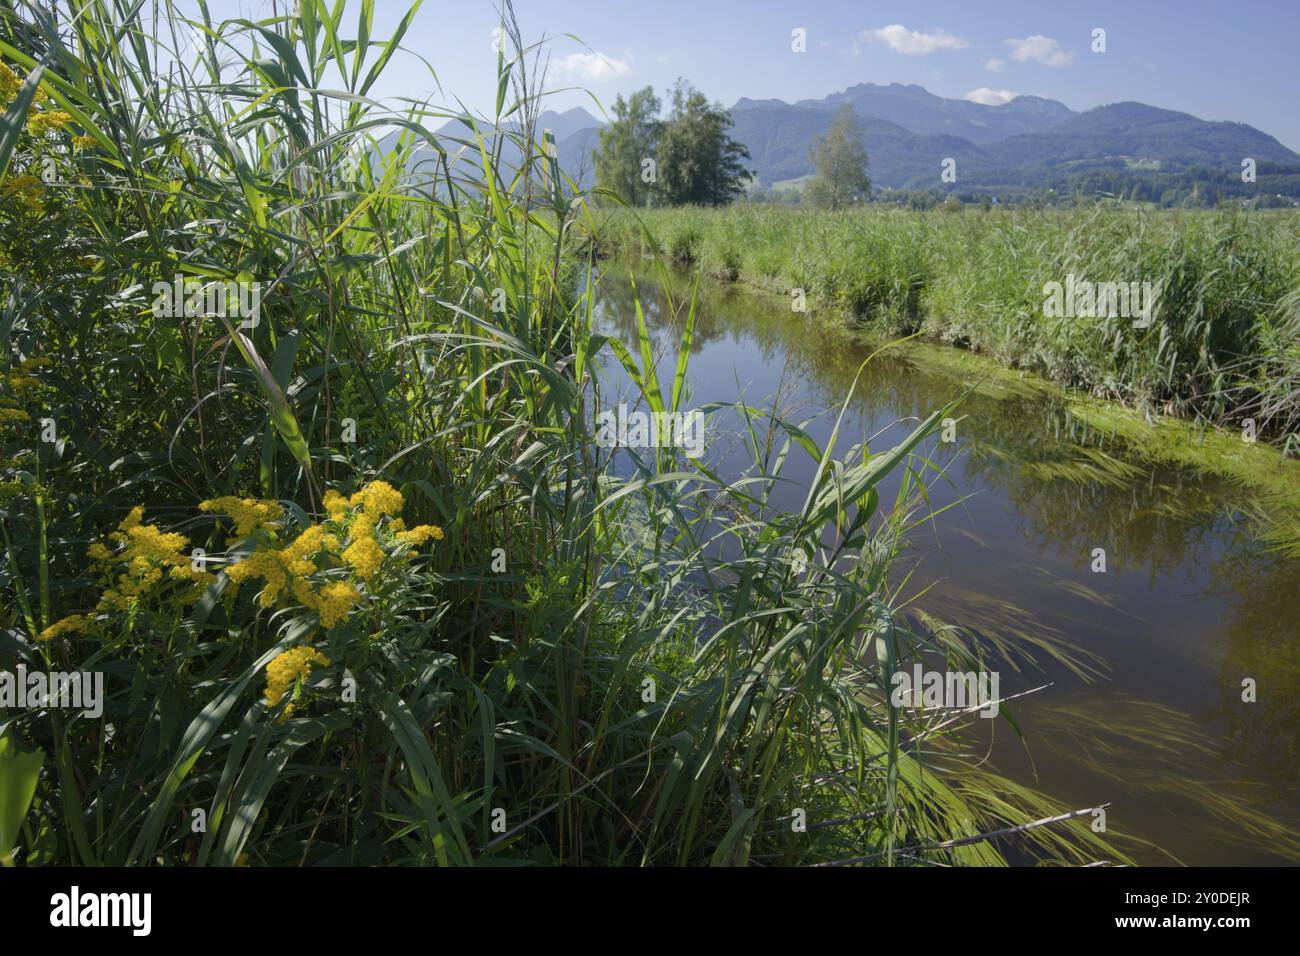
<point>1222,346</point>
<point>574,673</point>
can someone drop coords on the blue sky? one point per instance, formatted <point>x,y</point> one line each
<point>1216,60</point>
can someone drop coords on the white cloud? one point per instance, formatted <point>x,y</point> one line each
<point>990,97</point>
<point>1040,49</point>
<point>914,43</point>
<point>994,65</point>
<point>589,67</point>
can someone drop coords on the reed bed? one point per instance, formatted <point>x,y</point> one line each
<point>1222,346</point>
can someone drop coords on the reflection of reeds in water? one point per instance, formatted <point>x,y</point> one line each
<point>1084,466</point>
<point>996,630</point>
<point>1278,520</point>
<point>1156,752</point>
<point>977,373</point>
<point>1082,489</point>
<point>1075,844</point>
<point>951,800</point>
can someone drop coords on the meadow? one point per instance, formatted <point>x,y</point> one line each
<point>363,588</point>
<point>1223,348</point>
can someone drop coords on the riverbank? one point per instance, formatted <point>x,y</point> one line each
<point>1222,346</point>
<point>1267,481</point>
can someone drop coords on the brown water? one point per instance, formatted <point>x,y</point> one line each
<point>1189,605</point>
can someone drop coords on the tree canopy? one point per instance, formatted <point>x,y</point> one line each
<point>625,145</point>
<point>686,159</point>
<point>840,161</point>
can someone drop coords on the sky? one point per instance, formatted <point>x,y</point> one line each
<point>1216,60</point>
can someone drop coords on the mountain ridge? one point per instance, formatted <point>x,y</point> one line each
<point>1029,143</point>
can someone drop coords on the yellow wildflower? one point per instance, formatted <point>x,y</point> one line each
<point>311,541</point>
<point>26,189</point>
<point>378,498</point>
<point>336,505</point>
<point>20,377</point>
<point>200,579</point>
<point>287,669</point>
<point>132,520</point>
<point>267,566</point>
<point>249,514</point>
<point>69,625</point>
<point>286,571</point>
<point>364,555</point>
<point>20,381</point>
<point>147,541</point>
<point>420,534</point>
<point>10,415</point>
<point>10,84</point>
<point>149,555</point>
<point>41,123</point>
<point>336,602</point>
<point>83,141</point>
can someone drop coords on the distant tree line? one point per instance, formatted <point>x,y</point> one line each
<point>689,158</point>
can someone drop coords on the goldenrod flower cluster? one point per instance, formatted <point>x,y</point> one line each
<point>373,502</point>
<point>378,498</point>
<point>10,84</point>
<point>336,505</point>
<point>364,554</point>
<point>249,514</point>
<point>352,536</point>
<point>25,189</point>
<point>20,379</point>
<point>285,571</point>
<point>362,531</point>
<point>141,562</point>
<point>420,534</point>
<point>286,669</point>
<point>39,123</point>
<point>148,558</point>
<point>47,122</point>
<point>69,625</point>
<point>336,601</point>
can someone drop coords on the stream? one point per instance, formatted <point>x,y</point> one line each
<point>1189,605</point>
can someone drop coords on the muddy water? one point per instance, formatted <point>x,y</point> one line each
<point>1188,607</point>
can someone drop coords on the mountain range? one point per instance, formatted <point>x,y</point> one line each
<point>1025,144</point>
